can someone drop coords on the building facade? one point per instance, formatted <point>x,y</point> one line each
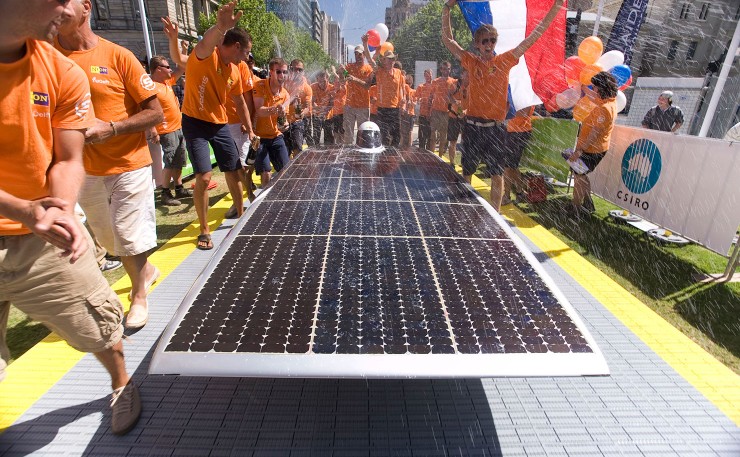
<point>297,11</point>
<point>399,12</point>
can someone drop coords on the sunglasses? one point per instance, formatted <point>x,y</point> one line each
<point>300,70</point>
<point>485,41</point>
<point>165,66</point>
<point>281,72</point>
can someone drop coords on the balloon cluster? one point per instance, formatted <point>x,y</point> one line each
<point>376,39</point>
<point>579,70</point>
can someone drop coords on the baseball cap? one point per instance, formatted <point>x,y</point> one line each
<point>359,49</point>
<point>668,95</point>
<point>389,55</point>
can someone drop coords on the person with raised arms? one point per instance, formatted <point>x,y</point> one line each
<point>484,130</point>
<point>270,106</point>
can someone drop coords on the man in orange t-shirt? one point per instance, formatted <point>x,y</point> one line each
<point>321,109</point>
<point>390,96</point>
<point>407,114</point>
<point>357,105</point>
<point>47,271</point>
<point>213,77</point>
<point>484,131</point>
<point>439,118</point>
<point>270,102</point>
<point>339,99</point>
<point>518,133</point>
<point>118,195</point>
<point>171,146</point>
<point>299,111</point>
<point>423,94</point>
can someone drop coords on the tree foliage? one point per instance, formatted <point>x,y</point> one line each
<point>420,38</point>
<point>271,37</point>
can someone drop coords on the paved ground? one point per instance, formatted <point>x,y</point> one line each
<point>644,408</point>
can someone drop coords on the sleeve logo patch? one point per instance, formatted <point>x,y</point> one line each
<point>83,106</point>
<point>146,82</point>
<point>39,98</point>
<point>98,70</point>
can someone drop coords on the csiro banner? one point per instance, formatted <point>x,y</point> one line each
<point>628,22</point>
<point>686,184</point>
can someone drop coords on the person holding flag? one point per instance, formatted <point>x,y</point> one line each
<point>484,129</point>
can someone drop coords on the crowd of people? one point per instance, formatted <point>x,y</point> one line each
<point>97,118</point>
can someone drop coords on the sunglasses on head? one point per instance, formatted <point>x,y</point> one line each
<point>485,41</point>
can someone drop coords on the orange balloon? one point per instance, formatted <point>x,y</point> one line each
<point>590,49</point>
<point>583,108</point>
<point>387,46</point>
<point>588,72</point>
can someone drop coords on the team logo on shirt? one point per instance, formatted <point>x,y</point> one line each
<point>146,82</point>
<point>82,106</point>
<point>98,70</point>
<point>39,98</point>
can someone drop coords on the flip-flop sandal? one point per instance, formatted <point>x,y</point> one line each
<point>204,238</point>
<point>148,284</point>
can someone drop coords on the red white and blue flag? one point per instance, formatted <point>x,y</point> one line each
<point>540,73</point>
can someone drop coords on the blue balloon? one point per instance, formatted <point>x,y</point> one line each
<point>371,48</point>
<point>621,73</point>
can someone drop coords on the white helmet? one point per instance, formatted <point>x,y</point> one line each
<point>368,136</point>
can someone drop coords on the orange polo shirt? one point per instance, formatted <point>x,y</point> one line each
<point>522,121</point>
<point>304,93</point>
<point>118,85</point>
<point>170,107</point>
<point>441,87</point>
<point>266,126</point>
<point>357,95</point>
<point>423,93</point>
<point>489,82</point>
<point>601,121</point>
<point>245,76</point>
<point>210,83</point>
<point>340,97</point>
<point>41,91</point>
<point>390,87</point>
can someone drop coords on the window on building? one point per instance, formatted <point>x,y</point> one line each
<point>692,50</point>
<point>685,9</point>
<point>704,11</point>
<point>672,50</point>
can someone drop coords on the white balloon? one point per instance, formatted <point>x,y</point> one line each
<point>568,98</point>
<point>610,59</point>
<point>382,30</point>
<point>621,101</point>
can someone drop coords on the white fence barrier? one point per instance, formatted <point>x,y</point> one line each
<point>686,184</point>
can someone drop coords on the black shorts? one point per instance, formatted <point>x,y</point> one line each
<point>454,128</point>
<point>484,144</point>
<point>592,160</point>
<point>516,142</point>
<point>199,135</point>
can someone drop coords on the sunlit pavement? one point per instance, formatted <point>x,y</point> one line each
<point>665,396</point>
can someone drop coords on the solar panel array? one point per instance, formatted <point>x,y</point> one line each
<point>349,255</point>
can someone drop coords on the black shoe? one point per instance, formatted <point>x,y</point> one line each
<point>181,192</point>
<point>588,205</point>
<point>168,199</point>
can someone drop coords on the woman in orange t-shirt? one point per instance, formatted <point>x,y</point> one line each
<point>596,132</point>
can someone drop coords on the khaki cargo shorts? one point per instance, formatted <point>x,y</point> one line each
<point>73,300</point>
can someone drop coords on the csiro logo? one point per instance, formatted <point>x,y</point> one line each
<point>641,166</point>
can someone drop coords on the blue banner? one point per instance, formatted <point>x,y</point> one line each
<point>626,26</point>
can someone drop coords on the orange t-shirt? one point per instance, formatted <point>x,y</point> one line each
<point>118,85</point>
<point>245,76</point>
<point>441,88</point>
<point>423,93</point>
<point>357,95</point>
<point>601,119</point>
<point>340,97</point>
<point>302,92</point>
<point>170,107</point>
<point>390,87</point>
<point>210,83</point>
<point>41,91</point>
<point>490,84</point>
<point>321,99</point>
<point>410,99</point>
<point>522,121</point>
<point>266,126</point>
<point>373,92</point>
